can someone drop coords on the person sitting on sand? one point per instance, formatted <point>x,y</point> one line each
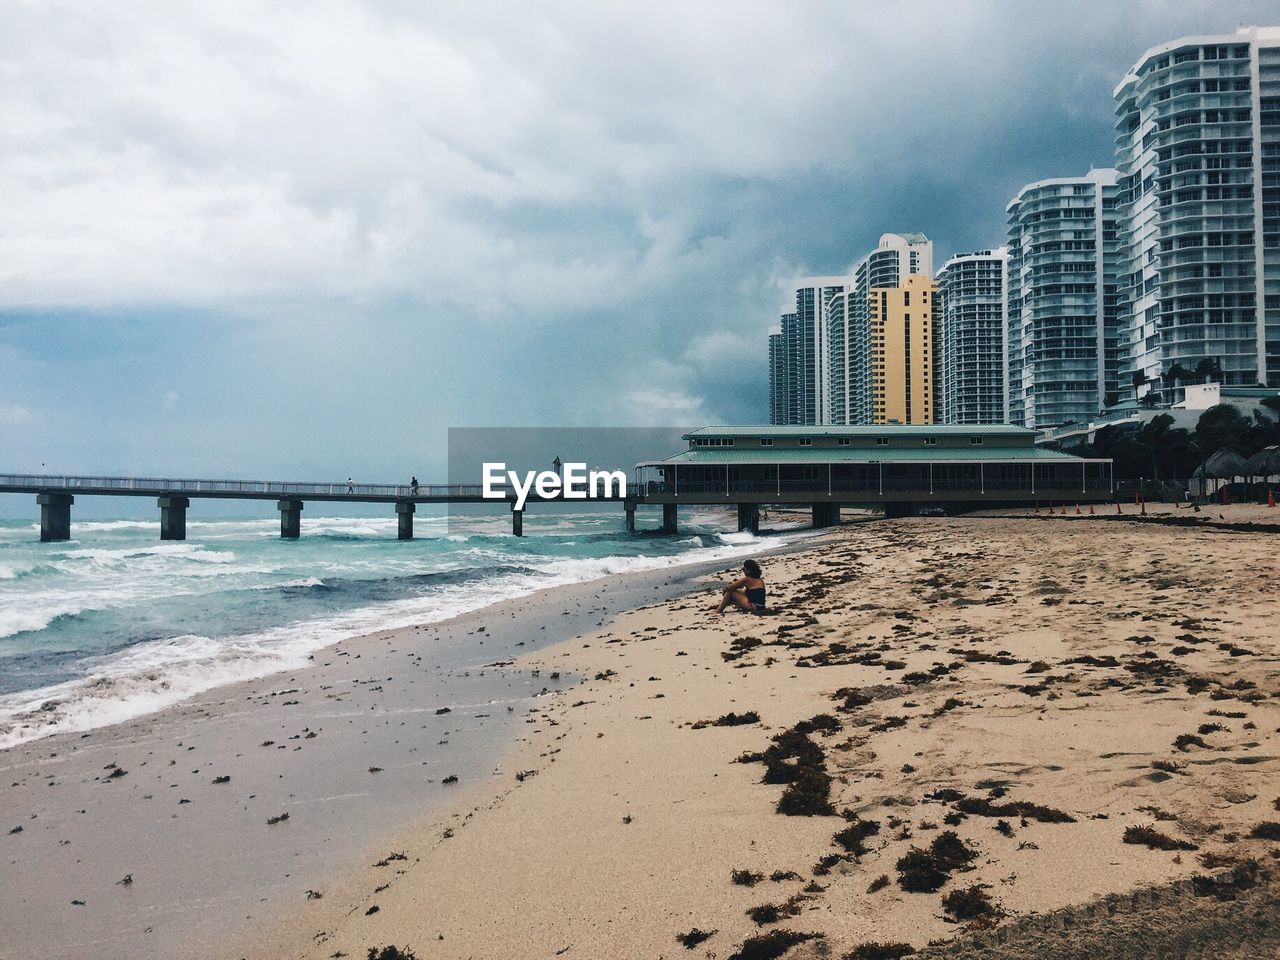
<point>747,592</point>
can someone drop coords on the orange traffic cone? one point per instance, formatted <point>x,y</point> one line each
<point>1077,509</point>
<point>1271,498</point>
<point>1143,503</point>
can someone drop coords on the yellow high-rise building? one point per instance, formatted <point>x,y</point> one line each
<point>903,368</point>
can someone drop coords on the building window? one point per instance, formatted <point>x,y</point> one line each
<point>806,442</point>
<point>766,441</point>
<point>882,441</point>
<point>842,442</point>
<point>975,440</point>
<point>930,441</point>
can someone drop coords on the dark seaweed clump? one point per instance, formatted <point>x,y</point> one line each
<point>924,871</point>
<point>809,796</point>
<point>969,903</point>
<point>771,945</point>
<point>745,878</point>
<point>390,953</point>
<point>1151,837</point>
<point>794,759</point>
<point>880,951</point>
<point>982,807</point>
<point>1267,830</point>
<point>694,937</point>
<point>851,837</point>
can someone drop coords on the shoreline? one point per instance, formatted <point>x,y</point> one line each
<point>625,833</point>
<point>350,746</point>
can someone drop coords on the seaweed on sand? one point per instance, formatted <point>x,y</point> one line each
<point>694,937</point>
<point>730,720</point>
<point>917,872</point>
<point>771,945</point>
<point>880,951</point>
<point>390,953</point>
<point>808,796</point>
<point>745,878</point>
<point>1147,836</point>
<point>851,837</point>
<point>924,871</point>
<point>982,807</point>
<point>969,903</point>
<point>1267,830</point>
<point>950,852</point>
<point>794,759</point>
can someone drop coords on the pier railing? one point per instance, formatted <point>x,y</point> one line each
<point>265,489</point>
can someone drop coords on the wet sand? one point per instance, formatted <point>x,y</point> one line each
<point>176,834</point>
<point>1029,713</point>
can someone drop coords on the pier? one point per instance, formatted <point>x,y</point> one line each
<point>902,470</point>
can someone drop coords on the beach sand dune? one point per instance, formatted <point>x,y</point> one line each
<point>947,727</point>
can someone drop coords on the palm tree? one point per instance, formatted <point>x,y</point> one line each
<point>1209,370</point>
<point>1138,379</point>
<point>1174,376</point>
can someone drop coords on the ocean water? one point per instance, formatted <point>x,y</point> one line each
<point>115,624</point>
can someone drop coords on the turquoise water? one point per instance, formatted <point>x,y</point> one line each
<point>115,624</point>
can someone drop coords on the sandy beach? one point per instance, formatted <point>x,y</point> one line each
<point>1028,712</point>
<point>1008,696</point>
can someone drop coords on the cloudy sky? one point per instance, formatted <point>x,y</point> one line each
<point>303,239</point>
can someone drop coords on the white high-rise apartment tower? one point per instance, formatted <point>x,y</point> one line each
<point>974,324</point>
<point>1061,317</point>
<point>1198,152</point>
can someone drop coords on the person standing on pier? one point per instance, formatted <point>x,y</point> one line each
<point>413,486</point>
<point>351,487</point>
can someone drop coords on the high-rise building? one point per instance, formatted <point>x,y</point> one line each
<point>798,360</point>
<point>778,387</point>
<point>973,320</point>
<point>1198,152</point>
<point>903,351</point>
<point>849,367</point>
<point>1062,340</point>
<point>783,347</point>
<point>813,356</point>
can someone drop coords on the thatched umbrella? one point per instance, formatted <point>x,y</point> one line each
<point>1225,465</point>
<point>1264,463</point>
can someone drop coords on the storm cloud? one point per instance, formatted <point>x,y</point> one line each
<point>304,239</point>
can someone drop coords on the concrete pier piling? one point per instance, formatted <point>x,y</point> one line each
<point>629,507</point>
<point>55,516</point>
<point>173,517</point>
<point>668,518</point>
<point>749,517</point>
<point>826,514</point>
<point>517,522</point>
<point>290,519</point>
<point>404,519</point>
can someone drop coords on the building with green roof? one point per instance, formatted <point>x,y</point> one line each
<point>899,468</point>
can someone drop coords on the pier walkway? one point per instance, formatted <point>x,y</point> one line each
<point>824,487</point>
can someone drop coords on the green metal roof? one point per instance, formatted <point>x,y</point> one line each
<point>1249,392</point>
<point>771,455</point>
<point>884,430</point>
